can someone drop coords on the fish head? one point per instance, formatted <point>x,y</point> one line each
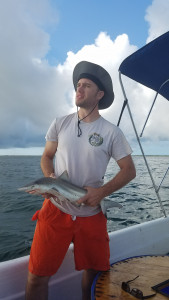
<point>38,186</point>
<point>29,188</point>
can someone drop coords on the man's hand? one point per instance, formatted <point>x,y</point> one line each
<point>92,198</point>
<point>52,175</point>
<point>44,195</point>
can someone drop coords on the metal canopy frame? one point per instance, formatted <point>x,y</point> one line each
<point>149,66</point>
<point>126,103</point>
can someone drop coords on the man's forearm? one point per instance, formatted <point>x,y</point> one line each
<point>47,158</point>
<point>125,175</point>
<point>119,181</point>
<point>47,166</point>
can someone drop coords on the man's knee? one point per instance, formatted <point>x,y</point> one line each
<point>37,280</point>
<point>36,287</point>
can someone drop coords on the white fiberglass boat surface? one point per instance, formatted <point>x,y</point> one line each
<point>150,238</point>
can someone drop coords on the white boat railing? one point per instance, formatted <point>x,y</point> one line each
<point>149,238</point>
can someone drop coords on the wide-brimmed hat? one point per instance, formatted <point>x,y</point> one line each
<point>100,76</point>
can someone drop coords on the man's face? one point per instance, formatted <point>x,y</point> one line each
<point>87,93</point>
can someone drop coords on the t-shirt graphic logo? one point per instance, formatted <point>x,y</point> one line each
<point>95,139</point>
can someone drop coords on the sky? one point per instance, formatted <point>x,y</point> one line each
<point>41,41</point>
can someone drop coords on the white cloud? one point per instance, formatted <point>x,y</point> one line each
<point>22,151</point>
<point>27,82</point>
<point>157,15</point>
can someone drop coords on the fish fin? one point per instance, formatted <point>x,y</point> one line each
<point>107,203</point>
<point>64,176</point>
<point>103,207</point>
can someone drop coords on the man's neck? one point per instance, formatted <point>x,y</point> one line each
<point>86,116</point>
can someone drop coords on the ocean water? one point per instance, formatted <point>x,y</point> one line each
<point>138,198</point>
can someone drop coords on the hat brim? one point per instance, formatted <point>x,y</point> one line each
<point>102,75</point>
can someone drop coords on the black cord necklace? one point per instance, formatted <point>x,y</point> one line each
<point>79,120</point>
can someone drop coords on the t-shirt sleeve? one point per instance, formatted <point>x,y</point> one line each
<point>120,146</point>
<point>52,134</point>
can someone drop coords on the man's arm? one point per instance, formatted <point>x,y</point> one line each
<point>47,158</point>
<point>125,175</point>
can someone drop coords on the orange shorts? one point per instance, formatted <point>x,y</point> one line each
<point>54,232</point>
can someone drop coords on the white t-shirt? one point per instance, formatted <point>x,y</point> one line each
<point>85,158</point>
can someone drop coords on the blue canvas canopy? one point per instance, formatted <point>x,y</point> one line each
<point>150,65</point>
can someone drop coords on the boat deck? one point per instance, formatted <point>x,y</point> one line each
<point>151,270</point>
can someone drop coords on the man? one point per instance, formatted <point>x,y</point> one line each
<point>83,143</point>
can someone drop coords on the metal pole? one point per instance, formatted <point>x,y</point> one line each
<point>162,180</point>
<point>141,148</point>
<point>153,105</point>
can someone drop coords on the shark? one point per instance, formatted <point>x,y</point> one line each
<point>63,189</point>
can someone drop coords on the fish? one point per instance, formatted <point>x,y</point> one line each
<point>63,189</point>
